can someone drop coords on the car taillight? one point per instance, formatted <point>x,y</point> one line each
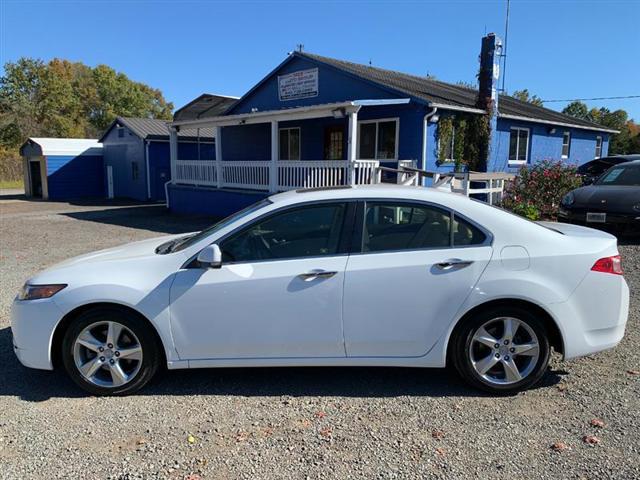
<point>609,265</point>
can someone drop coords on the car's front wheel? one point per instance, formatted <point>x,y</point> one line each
<point>110,351</point>
<point>501,350</point>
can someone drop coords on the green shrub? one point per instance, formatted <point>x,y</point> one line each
<point>537,190</point>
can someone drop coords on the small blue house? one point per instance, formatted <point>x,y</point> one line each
<point>317,121</point>
<point>136,156</point>
<point>62,168</point>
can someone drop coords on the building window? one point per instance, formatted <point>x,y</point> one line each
<point>120,132</point>
<point>378,139</point>
<point>518,146</point>
<point>290,144</point>
<point>566,144</point>
<point>598,146</point>
<point>134,171</point>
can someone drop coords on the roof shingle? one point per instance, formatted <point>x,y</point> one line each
<point>435,91</point>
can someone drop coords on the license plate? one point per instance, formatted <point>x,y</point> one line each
<point>597,217</point>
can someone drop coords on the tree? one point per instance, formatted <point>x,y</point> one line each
<point>525,96</point>
<point>67,99</point>
<point>577,109</point>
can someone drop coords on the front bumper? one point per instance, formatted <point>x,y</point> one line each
<point>32,325</point>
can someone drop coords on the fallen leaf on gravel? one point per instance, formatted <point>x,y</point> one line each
<point>562,387</point>
<point>596,422</point>
<point>320,414</point>
<point>268,431</point>
<point>440,451</point>
<point>326,432</point>
<point>559,447</point>
<point>591,439</point>
<point>437,434</point>
<point>193,476</point>
<point>141,441</point>
<point>191,439</point>
<point>633,372</point>
<point>241,436</point>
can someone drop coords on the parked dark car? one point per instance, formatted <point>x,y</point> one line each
<point>590,171</point>
<point>613,200</point>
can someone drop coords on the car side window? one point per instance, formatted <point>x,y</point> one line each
<point>464,233</point>
<point>400,226</point>
<point>308,231</point>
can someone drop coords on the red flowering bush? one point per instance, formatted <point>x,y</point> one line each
<point>537,190</point>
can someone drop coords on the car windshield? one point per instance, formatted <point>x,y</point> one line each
<point>628,175</point>
<point>186,242</point>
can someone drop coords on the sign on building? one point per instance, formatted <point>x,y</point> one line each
<point>297,85</point>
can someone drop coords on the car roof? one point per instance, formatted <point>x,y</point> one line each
<point>384,190</point>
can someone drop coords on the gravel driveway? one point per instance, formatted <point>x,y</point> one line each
<point>297,423</point>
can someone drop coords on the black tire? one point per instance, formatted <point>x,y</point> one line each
<point>460,357</point>
<point>151,353</point>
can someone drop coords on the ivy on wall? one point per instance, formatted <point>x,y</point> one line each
<point>471,135</point>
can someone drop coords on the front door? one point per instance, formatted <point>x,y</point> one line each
<point>334,143</point>
<point>410,278</point>
<point>278,293</point>
<point>36,178</point>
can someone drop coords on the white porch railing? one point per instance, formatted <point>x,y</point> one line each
<point>290,174</point>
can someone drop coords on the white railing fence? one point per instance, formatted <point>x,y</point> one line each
<point>289,174</point>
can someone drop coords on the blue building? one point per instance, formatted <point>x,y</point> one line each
<point>62,168</point>
<point>317,121</point>
<point>136,156</point>
<point>136,150</point>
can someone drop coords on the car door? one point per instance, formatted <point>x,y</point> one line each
<point>278,293</point>
<point>417,264</point>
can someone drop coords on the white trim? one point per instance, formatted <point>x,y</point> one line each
<point>384,101</point>
<point>445,106</point>
<point>285,114</point>
<point>562,155</point>
<point>289,143</point>
<point>561,124</point>
<point>146,166</point>
<point>526,152</point>
<point>378,121</point>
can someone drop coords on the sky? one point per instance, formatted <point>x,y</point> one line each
<point>557,49</point>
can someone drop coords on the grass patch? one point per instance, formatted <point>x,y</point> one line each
<point>11,184</point>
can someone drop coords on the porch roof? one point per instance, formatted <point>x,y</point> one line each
<point>285,114</point>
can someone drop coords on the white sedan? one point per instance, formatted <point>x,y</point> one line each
<point>368,276</point>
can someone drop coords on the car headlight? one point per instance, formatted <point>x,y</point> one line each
<point>35,292</point>
<point>568,199</point>
<point>636,207</point>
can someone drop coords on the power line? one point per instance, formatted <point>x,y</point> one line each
<point>594,98</point>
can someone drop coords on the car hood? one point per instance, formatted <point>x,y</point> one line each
<point>126,252</point>
<point>607,196</point>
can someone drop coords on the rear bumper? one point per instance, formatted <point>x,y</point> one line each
<point>595,316</point>
<point>627,222</point>
<point>32,325</point>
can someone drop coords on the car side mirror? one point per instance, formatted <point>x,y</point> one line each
<point>210,257</point>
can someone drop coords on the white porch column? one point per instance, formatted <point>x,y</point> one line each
<point>275,153</point>
<point>352,151</point>
<point>173,152</point>
<point>218,141</point>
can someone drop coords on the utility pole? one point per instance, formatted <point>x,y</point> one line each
<point>504,48</point>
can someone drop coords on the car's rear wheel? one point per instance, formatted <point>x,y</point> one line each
<point>110,351</point>
<point>501,350</point>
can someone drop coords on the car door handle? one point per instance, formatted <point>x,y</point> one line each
<point>310,276</point>
<point>453,263</point>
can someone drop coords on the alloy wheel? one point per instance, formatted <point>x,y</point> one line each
<point>504,350</point>
<point>107,354</point>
